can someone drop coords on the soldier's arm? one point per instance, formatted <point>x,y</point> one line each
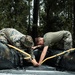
<point>34,62</point>
<point>43,54</point>
<point>34,47</point>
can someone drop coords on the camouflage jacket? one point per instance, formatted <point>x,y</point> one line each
<point>14,37</point>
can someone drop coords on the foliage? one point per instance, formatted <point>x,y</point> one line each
<point>57,15</point>
<point>13,14</point>
<point>53,15</point>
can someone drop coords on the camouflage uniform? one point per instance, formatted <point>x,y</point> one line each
<point>14,37</point>
<point>59,39</point>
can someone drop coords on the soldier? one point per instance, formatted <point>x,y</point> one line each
<point>14,37</point>
<point>58,40</point>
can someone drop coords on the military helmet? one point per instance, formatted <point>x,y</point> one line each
<point>27,41</point>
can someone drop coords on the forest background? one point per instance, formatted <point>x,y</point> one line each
<point>36,17</point>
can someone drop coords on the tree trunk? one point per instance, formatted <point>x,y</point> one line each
<point>35,20</point>
<point>28,28</point>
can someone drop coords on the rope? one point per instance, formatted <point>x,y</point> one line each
<point>28,55</point>
<point>72,49</point>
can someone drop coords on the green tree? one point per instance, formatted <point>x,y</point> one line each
<point>13,14</point>
<point>57,15</point>
<point>73,23</point>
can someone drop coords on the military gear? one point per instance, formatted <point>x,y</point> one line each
<point>14,37</point>
<point>27,41</point>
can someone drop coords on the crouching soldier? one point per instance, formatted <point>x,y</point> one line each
<point>14,37</point>
<point>61,40</point>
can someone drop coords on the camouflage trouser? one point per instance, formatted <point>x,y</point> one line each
<point>67,40</point>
